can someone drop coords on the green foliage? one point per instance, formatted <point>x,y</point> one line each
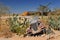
<point>18,27</point>
<point>54,22</point>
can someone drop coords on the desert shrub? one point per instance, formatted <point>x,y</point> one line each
<point>17,26</point>
<point>54,22</point>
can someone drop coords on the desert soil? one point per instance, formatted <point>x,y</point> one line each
<point>55,36</point>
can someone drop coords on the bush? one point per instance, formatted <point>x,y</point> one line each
<point>18,27</point>
<point>54,22</point>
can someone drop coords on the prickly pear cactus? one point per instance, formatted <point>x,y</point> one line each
<point>19,25</point>
<point>54,22</point>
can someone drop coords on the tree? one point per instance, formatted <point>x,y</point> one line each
<point>43,8</point>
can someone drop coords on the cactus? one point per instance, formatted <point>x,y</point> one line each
<point>54,22</point>
<point>17,27</point>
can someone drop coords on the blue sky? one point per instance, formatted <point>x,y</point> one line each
<point>19,6</point>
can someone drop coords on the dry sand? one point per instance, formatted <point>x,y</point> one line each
<point>56,36</point>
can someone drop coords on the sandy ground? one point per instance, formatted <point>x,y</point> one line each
<point>26,38</point>
<point>55,36</point>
